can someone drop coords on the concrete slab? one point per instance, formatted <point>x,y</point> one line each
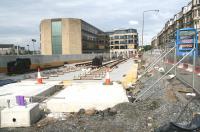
<point>20,116</point>
<point>87,96</point>
<point>117,74</point>
<point>28,89</point>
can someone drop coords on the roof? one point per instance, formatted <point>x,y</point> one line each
<point>123,31</point>
<point>82,21</point>
<point>6,45</point>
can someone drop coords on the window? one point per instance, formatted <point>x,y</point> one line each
<point>122,37</point>
<point>198,12</point>
<point>56,37</point>
<point>130,36</point>
<point>116,37</point>
<point>130,41</point>
<point>123,42</point>
<point>116,42</point>
<point>195,13</point>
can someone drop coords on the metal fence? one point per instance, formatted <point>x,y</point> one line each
<point>188,71</point>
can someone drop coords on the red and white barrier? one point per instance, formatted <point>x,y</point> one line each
<point>167,61</point>
<point>197,70</point>
<point>190,68</point>
<point>198,74</point>
<point>181,66</point>
<point>187,67</point>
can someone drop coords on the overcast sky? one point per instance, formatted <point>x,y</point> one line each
<point>20,19</point>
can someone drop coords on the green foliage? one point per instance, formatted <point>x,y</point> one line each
<point>147,47</point>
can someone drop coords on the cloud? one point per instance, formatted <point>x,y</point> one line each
<point>20,19</point>
<point>133,22</point>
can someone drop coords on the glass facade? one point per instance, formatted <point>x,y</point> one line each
<point>93,39</point>
<point>56,37</point>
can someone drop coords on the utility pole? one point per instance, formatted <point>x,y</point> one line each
<point>143,23</point>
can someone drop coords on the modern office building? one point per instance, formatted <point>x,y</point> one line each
<point>188,17</point>
<point>123,42</point>
<point>71,36</point>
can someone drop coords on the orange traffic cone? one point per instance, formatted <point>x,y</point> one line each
<point>107,81</point>
<point>39,78</point>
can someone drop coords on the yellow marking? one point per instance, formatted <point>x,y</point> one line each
<point>130,77</point>
<point>66,82</point>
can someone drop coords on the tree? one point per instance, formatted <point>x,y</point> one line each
<point>147,47</point>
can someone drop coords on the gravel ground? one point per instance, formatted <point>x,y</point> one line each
<point>143,117</point>
<point>159,106</point>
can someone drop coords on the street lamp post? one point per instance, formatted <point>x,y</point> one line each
<point>28,48</point>
<point>17,49</point>
<point>33,40</point>
<point>143,24</point>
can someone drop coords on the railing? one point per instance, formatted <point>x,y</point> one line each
<point>156,62</point>
<point>174,66</point>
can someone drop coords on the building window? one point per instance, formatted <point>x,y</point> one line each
<point>130,36</point>
<point>116,42</point>
<point>56,37</point>
<point>122,37</point>
<point>123,42</point>
<point>130,41</point>
<point>198,12</point>
<point>116,37</point>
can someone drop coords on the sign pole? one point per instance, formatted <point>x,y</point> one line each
<point>194,63</point>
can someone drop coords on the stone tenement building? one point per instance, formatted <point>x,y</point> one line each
<point>71,36</point>
<point>188,17</point>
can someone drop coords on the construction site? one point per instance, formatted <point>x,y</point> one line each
<point>141,93</point>
<point>96,66</point>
